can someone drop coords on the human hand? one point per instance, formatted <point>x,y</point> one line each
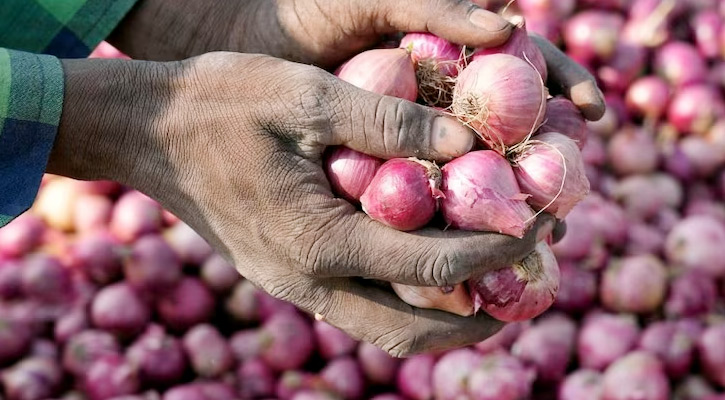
<point>327,33</point>
<point>232,144</point>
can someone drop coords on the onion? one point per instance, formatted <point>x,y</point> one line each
<point>642,195</point>
<point>614,116</point>
<point>594,152</point>
<point>33,378</point>
<point>503,339</point>
<point>85,348</point>
<point>547,346</point>
<point>255,379</point>
<point>648,96</point>
<point>452,372</point>
<point>200,390</point>
<point>135,215</point>
<point>633,151</point>
<point>55,204</point>
<point>153,265</point>
<point>557,9</point>
<point>403,193</point>
<point>627,62</point>
<point>109,377</point>
<point>15,339</point>
<point>644,239</point>
<point>606,218</point>
<point>648,23</point>
<point>481,194</point>
<point>696,243</point>
<point>378,366</point>
<point>188,303</point>
<point>712,353</point>
<point>287,341</point>
<point>577,290</point>
<point>694,387</point>
<point>550,169</point>
<point>246,344</point>
<point>502,98</point>
<point>344,377</point>
<point>604,338</point>
<point>45,278</point>
<point>680,64</point>
<point>218,274</point>
<point>579,238</point>
<point>707,26</point>
<point>118,309</point>
<point>544,26</point>
<point>582,384</point>
<point>98,256</point>
<point>21,235</point>
<point>350,172</point>
<point>694,109</point>
<point>592,34</point>
<point>208,351</point>
<point>159,357</point>
<point>521,291</point>
<point>519,45</point>
<point>500,377</point>
<point>635,284</point>
<point>672,343</point>
<point>384,71</point>
<point>637,375</point>
<point>456,301</point>
<point>92,212</point>
<point>249,304</point>
<point>564,117</point>
<point>332,342</point>
<point>11,279</point>
<point>693,293</point>
<point>704,157</point>
<point>415,377</point>
<point>436,64</point>
<point>187,244</point>
<point>70,324</point>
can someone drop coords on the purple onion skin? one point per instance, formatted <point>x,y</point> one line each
<point>99,257</point>
<point>696,243</point>
<point>415,377</point>
<point>44,348</point>
<point>503,339</point>
<point>15,340</point>
<point>313,395</point>
<point>344,377</point>
<point>209,353</point>
<point>247,344</point>
<point>548,346</point>
<point>153,265</point>
<point>11,279</point>
<point>211,390</point>
<point>289,341</point>
<point>187,304</point>
<point>332,342</point>
<point>387,396</point>
<point>694,387</point>
<point>218,274</point>
<point>680,64</point>
<point>120,310</point>
<point>711,347</point>
<point>135,215</point>
<point>249,304</point>
<point>500,376</point>
<point>21,236</point>
<point>255,379</point>
<point>85,348</point>
<point>581,384</point>
<point>34,378</point>
<point>46,279</point>
<point>635,284</point>
<point>451,373</point>
<point>577,289</point>
<point>378,366</point>
<point>70,324</point>
<point>159,357</point>
<point>691,294</point>
<point>672,344</point>
<point>109,377</point>
<point>292,382</point>
<point>603,338</point>
<point>638,375</point>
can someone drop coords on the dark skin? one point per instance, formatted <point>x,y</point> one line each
<point>232,144</point>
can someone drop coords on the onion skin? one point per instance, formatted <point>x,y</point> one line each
<point>603,338</point>
<point>255,379</point>
<point>457,302</point>
<point>592,34</point>
<point>547,346</point>
<point>579,238</point>
<point>500,376</point>
<point>21,235</point>
<point>480,193</point>
<point>564,117</point>
<point>185,305</point>
<point>627,62</point>
<point>648,96</point>
<point>680,64</point>
<point>672,343</point>
<point>519,45</point>
<point>350,172</point>
<point>502,98</point>
<point>159,357</point>
<point>637,375</point>
<point>403,194</point>
<point>521,291</point>
<point>712,353</point>
<point>551,170</point>
<point>119,309</point>
<point>379,367</point>
<point>34,378</point>
<point>451,373</point>
<point>344,377</point>
<point>388,72</point>
<point>85,348</point>
<point>415,377</point>
<point>134,215</point>
<point>633,151</point>
<point>696,243</point>
<point>208,351</point>
<point>635,284</point>
<point>503,339</point>
<point>577,290</point>
<point>694,387</point>
<point>332,342</point>
<point>695,109</point>
<point>425,46</point>
<point>582,384</point>
<point>707,26</point>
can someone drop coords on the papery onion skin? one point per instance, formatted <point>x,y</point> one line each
<point>519,292</point>
<point>603,338</point>
<point>502,98</point>
<point>635,284</point>
<point>696,243</point>
<point>427,46</point>
<point>592,34</point>
<point>521,46</point>
<point>637,375</point>
<point>350,172</point>
<point>388,72</point>
<point>712,353</point>
<point>680,64</point>
<point>695,109</point>
<point>481,194</point>
<point>564,117</point>
<point>648,96</point>
<point>581,384</point>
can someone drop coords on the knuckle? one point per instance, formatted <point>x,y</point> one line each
<point>446,268</point>
<point>403,125</point>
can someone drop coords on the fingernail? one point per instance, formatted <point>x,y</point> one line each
<point>450,137</point>
<point>488,21</point>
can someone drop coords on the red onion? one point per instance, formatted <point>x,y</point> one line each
<point>680,64</point>
<point>403,193</point>
<point>153,265</point>
<point>649,20</point>
<point>519,45</point>
<point>415,377</point>
<point>604,338</point>
<point>694,387</point>
<point>503,339</point>
<point>637,375</point>
<point>522,291</point>
<point>85,348</point>
<point>378,366</point>
<point>332,342</point>
<point>579,238</point>
<point>119,309</point>
<point>696,243</point>
<point>502,98</point>
<point>45,278</point>
<point>712,353</point>
<point>627,62</point>
<point>481,194</point>
<point>707,26</point>
<point>188,245</point>
<point>70,324</point>
<point>106,50</point>
<point>672,344</point>
<point>678,164</point>
<point>56,202</point>
<point>249,304</point>
<point>437,63</point>
<point>255,379</point>
<point>592,34</point>
<point>11,279</point>
<point>34,378</point>
<point>577,290</point>
<point>452,372</point>
<point>641,195</point>
<point>500,376</point>
<point>246,344</point>
<point>644,239</point>
<point>582,384</point>
<point>614,116</point>
<point>635,284</point>
<point>606,218</point>
<point>92,212</point>
<point>200,390</point>
<point>564,117</point>
<point>550,169</point>
<point>633,151</point>
<point>109,377</point>
<point>544,26</point>
<point>594,152</point>
<point>387,396</point>
<point>21,235</point>
<point>218,274</point>
<point>695,108</point>
<point>692,293</point>
<point>547,346</point>
<point>648,96</point>
<point>558,9</point>
<point>350,172</point>
<point>159,357</point>
<point>344,377</point>
<point>185,305</point>
<point>287,341</point>
<point>704,157</point>
<point>384,71</point>
<point>15,339</point>
<point>98,256</point>
<point>456,301</point>
<point>208,351</point>
<point>135,215</point>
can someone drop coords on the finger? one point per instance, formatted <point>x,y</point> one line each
<point>576,82</point>
<point>453,299</point>
<point>375,315</point>
<point>460,22</point>
<point>559,231</point>
<point>357,246</point>
<point>389,127</point>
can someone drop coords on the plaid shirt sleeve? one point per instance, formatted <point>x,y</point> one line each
<point>31,85</point>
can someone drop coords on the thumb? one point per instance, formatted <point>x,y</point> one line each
<point>458,21</point>
<point>389,127</point>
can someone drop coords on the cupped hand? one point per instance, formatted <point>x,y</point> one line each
<point>232,144</point>
<point>325,33</point>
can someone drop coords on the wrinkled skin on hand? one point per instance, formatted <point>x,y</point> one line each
<point>232,144</point>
